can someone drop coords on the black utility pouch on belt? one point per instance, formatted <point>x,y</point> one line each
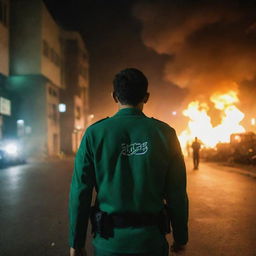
<point>101,223</point>
<point>104,223</point>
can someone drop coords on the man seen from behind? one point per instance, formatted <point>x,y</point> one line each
<point>135,164</point>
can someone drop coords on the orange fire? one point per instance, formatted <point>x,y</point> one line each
<point>200,123</point>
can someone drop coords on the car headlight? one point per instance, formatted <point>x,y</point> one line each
<point>11,149</point>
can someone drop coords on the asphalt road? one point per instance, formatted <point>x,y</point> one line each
<point>33,210</point>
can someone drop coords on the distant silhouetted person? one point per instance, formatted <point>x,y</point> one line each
<point>196,148</point>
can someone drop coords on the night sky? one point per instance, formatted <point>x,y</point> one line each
<point>187,49</point>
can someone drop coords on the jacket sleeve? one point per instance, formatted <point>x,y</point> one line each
<point>80,196</point>
<point>175,191</point>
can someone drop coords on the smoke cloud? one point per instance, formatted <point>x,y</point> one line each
<point>211,44</point>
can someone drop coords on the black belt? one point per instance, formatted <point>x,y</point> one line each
<point>104,223</point>
<point>123,220</point>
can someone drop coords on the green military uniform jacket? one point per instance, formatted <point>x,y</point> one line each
<point>134,162</point>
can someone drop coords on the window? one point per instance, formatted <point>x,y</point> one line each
<point>54,93</point>
<point>62,72</point>
<point>78,112</point>
<point>54,113</point>
<point>45,48</point>
<point>58,60</point>
<point>52,55</point>
<point>3,13</point>
<point>55,58</point>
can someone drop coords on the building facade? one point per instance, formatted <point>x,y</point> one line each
<point>74,95</point>
<point>48,71</point>
<point>35,75</point>
<point>5,101</point>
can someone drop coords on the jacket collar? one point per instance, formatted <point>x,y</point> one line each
<point>129,111</point>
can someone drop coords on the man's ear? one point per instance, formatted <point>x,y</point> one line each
<point>145,100</point>
<point>114,97</point>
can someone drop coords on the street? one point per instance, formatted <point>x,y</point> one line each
<point>34,197</point>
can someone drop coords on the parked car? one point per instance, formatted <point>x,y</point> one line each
<point>11,152</point>
<point>243,146</point>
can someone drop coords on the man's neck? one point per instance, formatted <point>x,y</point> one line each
<point>139,106</point>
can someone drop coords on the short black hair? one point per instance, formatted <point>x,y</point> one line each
<point>130,86</point>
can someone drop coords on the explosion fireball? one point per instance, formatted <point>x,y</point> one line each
<point>200,123</point>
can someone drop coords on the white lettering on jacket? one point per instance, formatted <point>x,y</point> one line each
<point>134,149</point>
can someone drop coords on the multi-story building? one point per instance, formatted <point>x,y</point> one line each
<point>5,103</point>
<point>74,96</point>
<point>49,78</point>
<point>35,75</point>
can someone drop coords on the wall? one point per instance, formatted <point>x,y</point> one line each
<point>53,119</point>
<point>75,78</point>
<point>34,72</point>
<point>30,106</point>
<point>25,41</point>
<point>50,35</point>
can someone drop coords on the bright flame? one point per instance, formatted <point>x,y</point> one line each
<point>200,124</point>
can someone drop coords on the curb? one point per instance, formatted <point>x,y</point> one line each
<point>236,169</point>
<point>48,159</point>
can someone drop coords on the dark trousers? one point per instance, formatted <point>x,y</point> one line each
<point>162,252</point>
<point>196,159</point>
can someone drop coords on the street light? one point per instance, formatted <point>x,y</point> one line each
<point>78,127</point>
<point>20,122</point>
<point>62,108</point>
<point>20,127</point>
<point>174,113</point>
<point>89,119</point>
